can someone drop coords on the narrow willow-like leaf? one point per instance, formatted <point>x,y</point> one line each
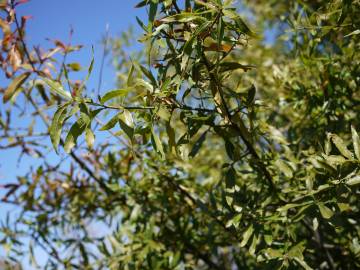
<point>57,88</point>
<point>113,94</point>
<point>251,95</point>
<point>152,11</point>
<point>148,74</point>
<point>130,80</point>
<point>356,142</point>
<point>182,18</point>
<point>195,149</point>
<point>75,131</point>
<point>284,168</point>
<point>230,178</point>
<point>229,66</point>
<point>15,85</point>
<point>89,137</point>
<point>157,144</point>
<point>112,122</point>
<point>57,124</point>
<point>252,248</point>
<point>126,123</point>
<point>241,26</point>
<point>247,235</point>
<point>341,146</point>
<point>353,181</point>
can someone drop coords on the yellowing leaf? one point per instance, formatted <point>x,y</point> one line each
<point>341,146</point>
<point>89,137</point>
<point>353,181</point>
<point>74,66</point>
<point>14,85</point>
<point>325,211</point>
<point>247,235</point>
<point>356,142</point>
<point>157,144</point>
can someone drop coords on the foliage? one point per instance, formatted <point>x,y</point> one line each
<point>224,152</point>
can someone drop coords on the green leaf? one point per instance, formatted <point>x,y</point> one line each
<point>230,178</point>
<point>112,122</point>
<point>284,168</point>
<point>356,142</point>
<point>303,263</point>
<point>113,94</point>
<point>57,124</point>
<point>273,253</point>
<point>297,251</point>
<point>126,122</point>
<point>252,248</point>
<point>157,143</point>
<point>57,88</point>
<point>89,137</point>
<point>251,95</point>
<point>75,131</point>
<point>130,81</point>
<point>341,146</point>
<point>325,211</point>
<point>182,18</point>
<point>353,181</point>
<point>14,85</point>
<point>187,49</point>
<point>241,26</point>
<point>247,235</point>
<point>148,74</point>
<point>196,147</point>
<point>198,31</point>
<point>152,11</point>
<point>356,32</point>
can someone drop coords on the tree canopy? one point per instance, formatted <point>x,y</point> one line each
<point>219,148</point>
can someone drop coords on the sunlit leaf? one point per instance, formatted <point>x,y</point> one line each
<point>114,94</point>
<point>57,125</point>
<point>14,85</point>
<point>57,88</point>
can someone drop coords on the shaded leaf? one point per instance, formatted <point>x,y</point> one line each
<point>196,147</point>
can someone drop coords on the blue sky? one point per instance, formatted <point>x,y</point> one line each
<point>53,19</point>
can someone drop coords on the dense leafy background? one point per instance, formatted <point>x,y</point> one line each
<point>221,150</point>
